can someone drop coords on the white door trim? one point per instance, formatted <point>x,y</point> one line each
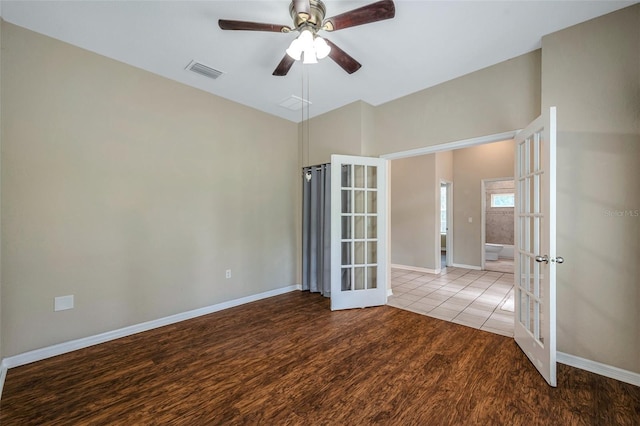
<point>448,146</point>
<point>449,235</point>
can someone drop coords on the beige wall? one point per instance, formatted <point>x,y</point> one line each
<point>444,165</point>
<point>413,212</point>
<point>470,166</point>
<point>496,99</point>
<point>133,193</point>
<point>591,72</point>
<point>336,132</point>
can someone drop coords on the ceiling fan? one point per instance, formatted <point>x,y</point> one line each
<point>308,20</point>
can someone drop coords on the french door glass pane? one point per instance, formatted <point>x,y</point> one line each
<point>372,202</point>
<point>346,201</point>
<point>346,227</point>
<point>359,201</point>
<point>346,279</point>
<point>531,312</point>
<point>538,150</point>
<point>358,172</point>
<point>359,227</point>
<point>372,277</point>
<point>346,176</point>
<point>372,227</point>
<point>358,278</point>
<point>372,177</point>
<point>372,252</point>
<point>346,253</point>
<point>359,252</point>
<point>521,300</point>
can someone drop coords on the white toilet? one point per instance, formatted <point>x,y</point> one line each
<point>491,251</point>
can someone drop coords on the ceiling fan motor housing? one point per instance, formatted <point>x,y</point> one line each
<point>315,17</point>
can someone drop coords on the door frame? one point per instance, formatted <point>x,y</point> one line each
<point>449,146</point>
<point>449,235</point>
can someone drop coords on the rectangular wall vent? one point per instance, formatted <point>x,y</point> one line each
<point>294,103</point>
<point>204,70</point>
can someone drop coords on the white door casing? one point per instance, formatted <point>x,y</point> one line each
<point>535,244</point>
<point>358,232</point>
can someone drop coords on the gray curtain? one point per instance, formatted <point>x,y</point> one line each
<point>316,229</point>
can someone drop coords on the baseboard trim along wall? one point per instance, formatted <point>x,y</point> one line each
<point>416,269</point>
<point>599,368</point>
<point>460,265</point>
<point>62,348</point>
<point>3,375</point>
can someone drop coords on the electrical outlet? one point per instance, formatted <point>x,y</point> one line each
<point>227,273</point>
<point>63,303</point>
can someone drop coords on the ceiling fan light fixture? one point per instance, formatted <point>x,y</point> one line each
<point>310,57</point>
<point>295,49</point>
<point>321,47</point>
<point>312,46</point>
<point>306,40</point>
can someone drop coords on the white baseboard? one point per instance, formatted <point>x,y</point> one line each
<point>599,368</point>
<point>59,349</point>
<point>62,348</point>
<point>3,375</point>
<point>416,269</point>
<point>460,265</point>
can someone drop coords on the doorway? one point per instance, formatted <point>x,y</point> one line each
<point>461,292</point>
<point>446,224</point>
<point>498,224</point>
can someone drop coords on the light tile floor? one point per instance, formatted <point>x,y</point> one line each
<point>478,299</point>
<point>500,265</point>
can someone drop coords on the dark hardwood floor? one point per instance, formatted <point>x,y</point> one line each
<point>289,360</point>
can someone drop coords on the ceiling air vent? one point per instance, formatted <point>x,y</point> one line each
<point>201,69</point>
<point>294,103</point>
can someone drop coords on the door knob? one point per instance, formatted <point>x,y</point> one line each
<point>541,259</point>
<point>559,259</point>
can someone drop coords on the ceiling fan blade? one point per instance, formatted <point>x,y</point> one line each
<point>302,7</point>
<point>373,12</point>
<point>284,66</point>
<point>342,58</point>
<point>226,24</point>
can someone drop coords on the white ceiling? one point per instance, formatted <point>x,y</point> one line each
<point>427,43</point>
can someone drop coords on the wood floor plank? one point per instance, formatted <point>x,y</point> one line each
<point>290,360</point>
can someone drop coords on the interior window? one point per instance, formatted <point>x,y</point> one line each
<point>503,200</point>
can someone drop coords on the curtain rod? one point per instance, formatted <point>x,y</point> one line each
<point>316,166</point>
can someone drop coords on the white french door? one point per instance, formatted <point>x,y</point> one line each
<point>358,232</point>
<point>535,242</point>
